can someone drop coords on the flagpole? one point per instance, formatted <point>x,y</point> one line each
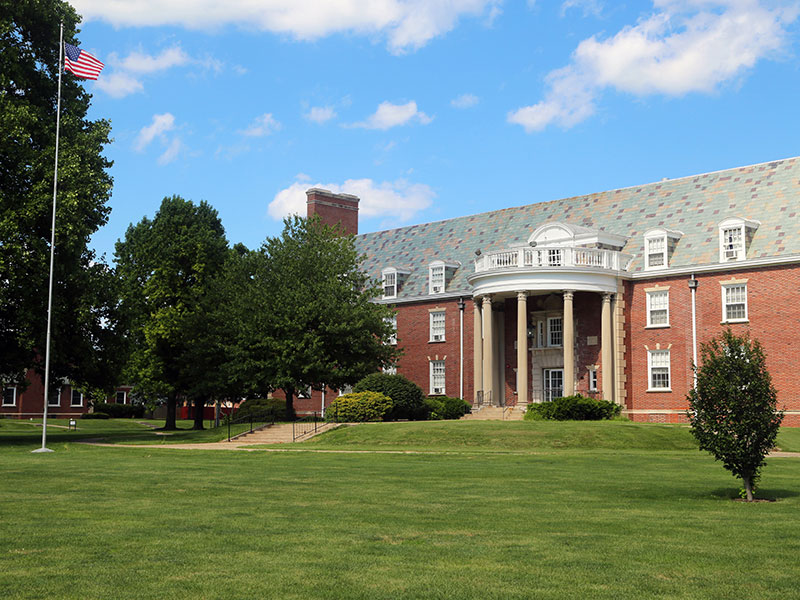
<point>44,447</point>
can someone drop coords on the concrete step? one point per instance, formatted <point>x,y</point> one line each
<point>281,433</point>
<point>495,413</point>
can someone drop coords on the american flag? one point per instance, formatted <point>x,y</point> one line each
<point>81,63</point>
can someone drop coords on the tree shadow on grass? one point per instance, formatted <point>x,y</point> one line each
<point>770,494</point>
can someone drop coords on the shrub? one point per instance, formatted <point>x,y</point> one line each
<point>406,396</point>
<point>359,407</point>
<point>443,407</point>
<point>263,409</point>
<point>120,411</point>
<point>95,415</point>
<point>573,408</point>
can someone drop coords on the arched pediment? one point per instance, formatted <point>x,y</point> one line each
<point>559,234</point>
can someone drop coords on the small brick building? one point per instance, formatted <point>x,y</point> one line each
<point>609,294</point>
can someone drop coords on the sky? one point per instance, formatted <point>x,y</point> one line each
<point>429,109</point>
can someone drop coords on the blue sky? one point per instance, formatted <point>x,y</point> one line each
<point>430,109</point>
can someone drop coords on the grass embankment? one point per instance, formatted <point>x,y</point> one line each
<point>557,523</point>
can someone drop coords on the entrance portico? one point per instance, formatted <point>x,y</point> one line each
<point>562,265</point>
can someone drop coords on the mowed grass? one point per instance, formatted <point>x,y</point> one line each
<point>480,519</point>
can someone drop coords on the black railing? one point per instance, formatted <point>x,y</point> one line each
<point>246,423</point>
<point>306,425</point>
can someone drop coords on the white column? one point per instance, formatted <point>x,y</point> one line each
<point>569,346</point>
<point>488,350</point>
<point>477,351</point>
<point>607,362</point>
<point>522,348</point>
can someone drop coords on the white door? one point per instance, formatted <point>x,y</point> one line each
<point>553,384</point>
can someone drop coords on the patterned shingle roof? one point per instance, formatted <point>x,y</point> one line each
<point>767,192</point>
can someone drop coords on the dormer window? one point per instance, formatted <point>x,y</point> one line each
<point>390,284</point>
<point>436,278</point>
<point>735,234</point>
<point>659,244</point>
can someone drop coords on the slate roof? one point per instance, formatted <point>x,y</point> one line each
<point>767,192</point>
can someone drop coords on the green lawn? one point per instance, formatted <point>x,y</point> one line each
<point>473,518</point>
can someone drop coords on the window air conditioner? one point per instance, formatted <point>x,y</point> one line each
<point>438,337</point>
<point>731,254</point>
<point>437,289</point>
<point>438,390</point>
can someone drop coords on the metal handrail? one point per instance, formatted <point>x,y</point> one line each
<point>251,419</point>
<point>306,425</point>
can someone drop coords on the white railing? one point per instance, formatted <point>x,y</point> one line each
<point>552,257</point>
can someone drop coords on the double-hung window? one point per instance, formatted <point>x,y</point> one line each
<point>9,396</point>
<point>437,378</point>
<point>734,302</point>
<point>121,397</point>
<point>437,326</point>
<point>76,398</point>
<point>389,284</point>
<point>555,331</point>
<point>54,398</point>
<point>658,370</point>
<point>592,379</point>
<point>656,252</point>
<point>732,243</point>
<point>436,278</point>
<point>658,308</point>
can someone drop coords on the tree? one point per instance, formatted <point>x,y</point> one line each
<point>733,409</point>
<point>29,34</point>
<point>313,320</point>
<point>168,268</point>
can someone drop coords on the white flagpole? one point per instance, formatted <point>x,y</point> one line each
<point>44,447</point>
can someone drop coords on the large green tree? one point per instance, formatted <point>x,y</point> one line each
<point>313,319</point>
<point>169,267</point>
<point>84,320</point>
<point>733,410</point>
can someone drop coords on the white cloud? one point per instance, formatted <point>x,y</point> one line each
<point>399,199</point>
<point>263,125</point>
<point>139,62</point>
<point>685,46</point>
<point>407,24</point>
<point>160,125</point>
<point>391,115</point>
<point>118,85</point>
<point>320,114</point>
<point>588,7</point>
<point>171,153</point>
<point>465,101</point>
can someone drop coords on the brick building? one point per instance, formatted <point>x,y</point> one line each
<point>609,294</point>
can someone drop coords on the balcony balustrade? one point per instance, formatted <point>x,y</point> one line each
<point>553,257</point>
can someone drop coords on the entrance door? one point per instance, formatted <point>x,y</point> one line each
<point>553,384</point>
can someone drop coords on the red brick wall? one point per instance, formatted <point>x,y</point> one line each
<point>30,401</point>
<point>773,313</point>
<point>334,209</point>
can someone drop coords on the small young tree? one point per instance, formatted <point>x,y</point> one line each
<point>733,411</point>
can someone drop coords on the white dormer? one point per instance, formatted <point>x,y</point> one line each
<point>566,234</point>
<point>735,234</point>
<point>659,244</point>
<point>391,280</point>
<point>439,272</point>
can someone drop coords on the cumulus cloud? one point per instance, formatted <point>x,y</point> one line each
<point>464,101</point>
<point>159,126</point>
<point>320,114</point>
<point>118,84</point>
<point>390,115</point>
<point>263,125</point>
<point>171,153</point>
<point>406,24</point>
<point>399,200</point>
<point>125,73</point>
<point>684,46</point>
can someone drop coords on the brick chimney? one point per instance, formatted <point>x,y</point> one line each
<point>334,209</point>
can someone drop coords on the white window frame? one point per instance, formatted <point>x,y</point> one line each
<point>651,355</point>
<point>72,393</point>
<point>551,331</point>
<point>436,278</point>
<point>593,379</point>
<point>438,375</point>
<point>648,241</point>
<point>386,276</point>
<point>58,399</point>
<point>437,326</point>
<point>13,395</point>
<point>649,298</point>
<point>730,249</point>
<point>348,389</point>
<point>390,370</point>
<point>124,396</point>
<point>393,322</point>
<point>729,285</point>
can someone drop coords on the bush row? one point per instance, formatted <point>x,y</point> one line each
<point>95,415</point>
<point>573,408</point>
<point>359,407</point>
<point>443,407</point>
<point>263,409</point>
<point>119,411</point>
<point>406,396</point>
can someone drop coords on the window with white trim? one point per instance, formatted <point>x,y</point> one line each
<point>10,395</point>
<point>658,308</point>
<point>658,370</point>
<point>390,284</point>
<point>656,252</point>
<point>54,398</point>
<point>348,389</point>
<point>76,399</point>
<point>437,326</point>
<point>121,397</point>
<point>734,302</point>
<point>392,341</point>
<point>732,243</point>
<point>592,379</point>
<point>555,331</point>
<point>437,378</point>
<point>304,394</point>
<point>436,278</point>
<point>391,370</point>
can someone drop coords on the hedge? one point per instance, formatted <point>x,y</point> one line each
<point>119,411</point>
<point>406,396</point>
<point>444,407</point>
<point>573,408</point>
<point>359,407</point>
<point>95,415</point>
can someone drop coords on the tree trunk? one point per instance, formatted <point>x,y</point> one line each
<point>199,403</point>
<point>748,487</point>
<point>289,392</point>
<point>172,404</point>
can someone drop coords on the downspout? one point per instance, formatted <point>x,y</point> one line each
<point>693,287</point>
<point>461,305</point>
